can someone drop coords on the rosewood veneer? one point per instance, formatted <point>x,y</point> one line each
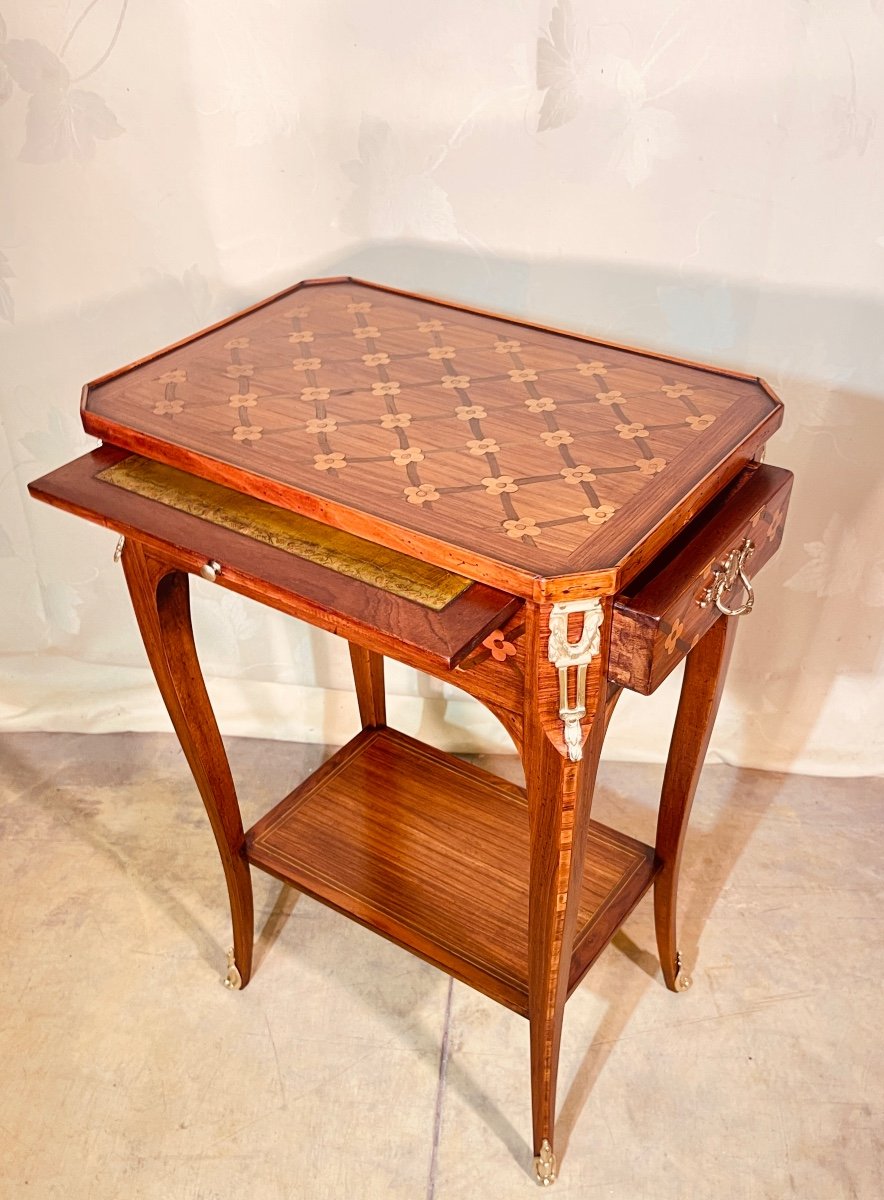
<point>538,517</point>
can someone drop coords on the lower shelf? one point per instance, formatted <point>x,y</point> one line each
<point>432,853</point>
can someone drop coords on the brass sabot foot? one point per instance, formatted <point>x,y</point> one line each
<point>545,1164</point>
<point>232,979</point>
<point>682,980</point>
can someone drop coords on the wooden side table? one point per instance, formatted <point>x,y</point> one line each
<point>535,517</point>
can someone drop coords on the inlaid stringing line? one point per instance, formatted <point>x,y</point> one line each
<point>552,427</point>
<point>372,323</point>
<point>407,452</point>
<point>245,397</point>
<point>474,423</point>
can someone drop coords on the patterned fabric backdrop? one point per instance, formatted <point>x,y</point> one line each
<point>700,177</point>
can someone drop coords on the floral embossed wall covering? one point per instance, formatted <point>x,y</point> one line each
<point>703,178</point>
<point>62,120</point>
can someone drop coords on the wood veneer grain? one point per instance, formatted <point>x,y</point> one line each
<point>496,448</point>
<point>432,587</point>
<point>432,853</point>
<point>382,621</point>
<point>657,620</point>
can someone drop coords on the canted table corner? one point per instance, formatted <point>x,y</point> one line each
<point>537,517</point>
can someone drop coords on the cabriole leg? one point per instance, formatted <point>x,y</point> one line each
<point>559,790</point>
<point>161,600</point>
<point>701,689</point>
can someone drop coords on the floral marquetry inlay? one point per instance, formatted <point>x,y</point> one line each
<point>521,445</point>
<point>499,661</point>
<point>495,484</point>
<point>598,516</point>
<point>421,495</point>
<point>329,462</point>
<point>499,647</point>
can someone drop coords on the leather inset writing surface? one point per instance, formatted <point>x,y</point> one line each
<point>352,556</point>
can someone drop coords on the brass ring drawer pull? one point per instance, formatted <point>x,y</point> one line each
<point>725,576</point>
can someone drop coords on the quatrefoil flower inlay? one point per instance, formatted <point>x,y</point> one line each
<point>507,347</point>
<point>539,404</point>
<point>302,335</point>
<point>500,648</point>
<point>329,462</point>
<point>306,364</point>
<point>557,437</point>
<point>390,388</point>
<point>470,412</point>
<point>592,368</point>
<point>430,326</point>
<point>485,446</point>
<point>636,429</point>
<point>322,425</point>
<point>523,376</point>
<point>609,397</point>
<point>362,307</point>
<point>421,495</point>
<point>437,352</point>
<point>366,331</point>
<point>522,528</point>
<point>701,422</point>
<point>403,455</point>
<point>453,382</point>
<point>650,466</point>
<point>494,485</point>
<point>674,634</point>
<point>675,391</point>
<point>315,393</point>
<point>163,407</point>
<point>237,343</point>
<point>376,360</point>
<point>396,420</point>
<point>177,376</point>
<point>243,399</point>
<point>598,516</point>
<point>578,474</point>
<point>247,433</point>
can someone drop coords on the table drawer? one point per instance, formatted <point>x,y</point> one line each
<point>382,599</point>
<point>665,612</point>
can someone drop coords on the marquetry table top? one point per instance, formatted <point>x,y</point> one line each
<point>485,444</point>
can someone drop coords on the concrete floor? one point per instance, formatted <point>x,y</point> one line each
<point>350,1070</point>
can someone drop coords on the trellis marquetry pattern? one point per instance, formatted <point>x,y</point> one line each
<point>406,454</point>
<point>430,417</point>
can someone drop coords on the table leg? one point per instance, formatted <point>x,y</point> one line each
<point>559,793</point>
<point>701,689</point>
<point>368,676</point>
<point>161,599</point>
